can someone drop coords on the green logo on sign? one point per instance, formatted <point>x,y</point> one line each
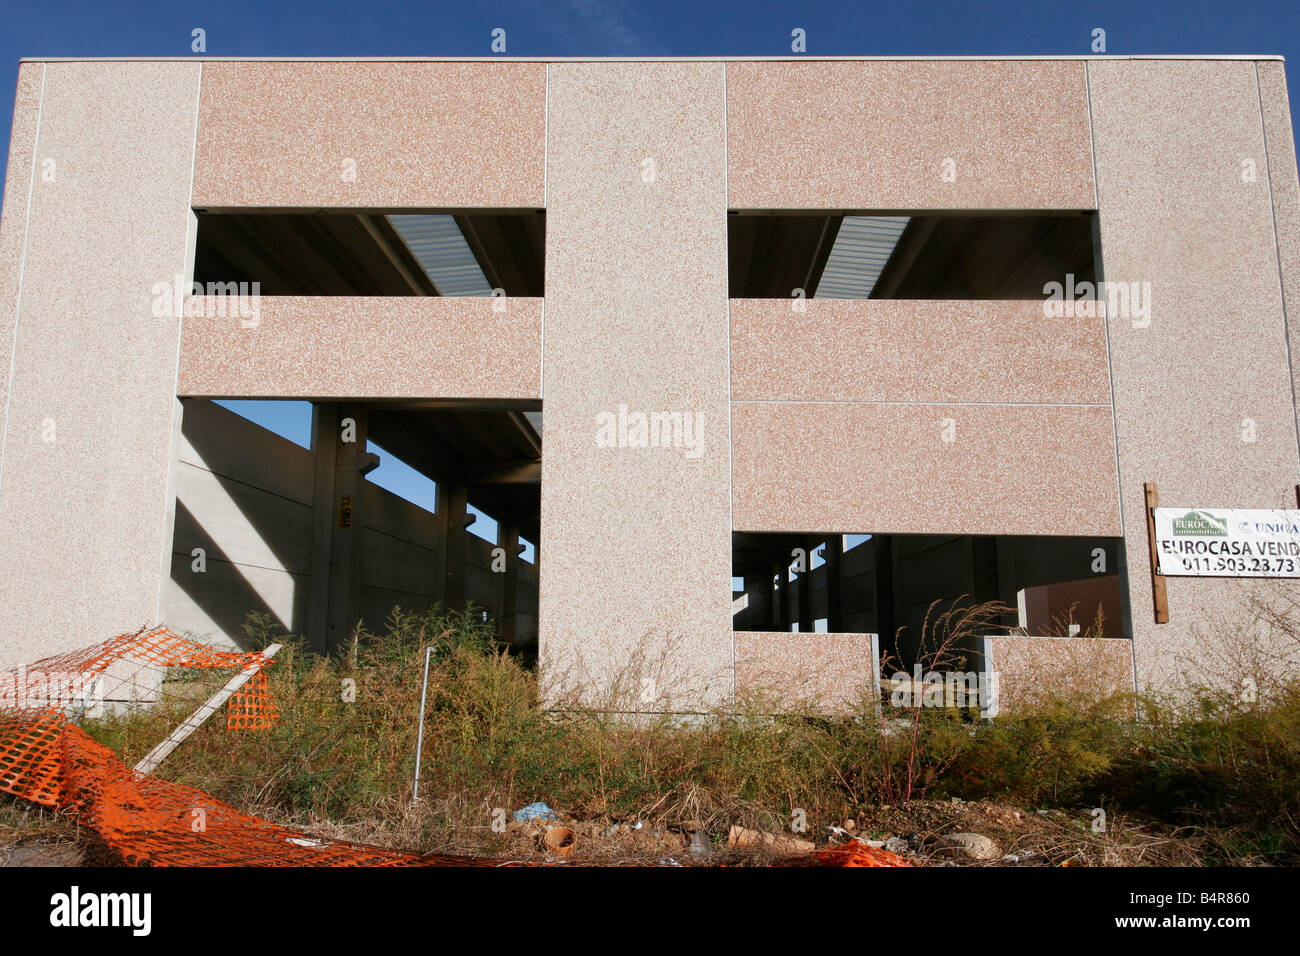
<point>1200,524</point>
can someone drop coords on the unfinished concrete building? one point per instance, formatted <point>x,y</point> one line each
<point>754,354</point>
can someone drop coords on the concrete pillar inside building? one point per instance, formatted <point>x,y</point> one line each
<point>782,575</point>
<point>453,502</point>
<point>341,463</point>
<point>510,584</point>
<point>804,583</point>
<point>834,583</point>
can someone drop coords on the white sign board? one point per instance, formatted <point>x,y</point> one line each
<point>1228,542</point>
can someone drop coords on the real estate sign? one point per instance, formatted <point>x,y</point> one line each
<point>1228,542</point>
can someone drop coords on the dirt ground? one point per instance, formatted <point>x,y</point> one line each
<point>920,832</point>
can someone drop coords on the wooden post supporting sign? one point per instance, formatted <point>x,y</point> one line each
<point>1158,593</point>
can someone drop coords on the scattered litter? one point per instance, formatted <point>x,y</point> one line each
<point>535,811</point>
<point>305,841</point>
<point>700,846</point>
<point>559,840</point>
<point>610,831</point>
<point>976,846</point>
<point>853,853</point>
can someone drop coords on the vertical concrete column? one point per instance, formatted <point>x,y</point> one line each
<point>1284,188</point>
<point>886,620</point>
<point>835,583</point>
<point>341,463</point>
<point>324,448</point>
<point>757,615</point>
<point>1202,383</point>
<point>20,181</point>
<point>91,334</point>
<point>510,584</point>
<point>782,574</point>
<point>804,582</point>
<point>764,588</point>
<point>441,526</point>
<point>453,502</point>
<point>635,609</point>
<point>345,557</point>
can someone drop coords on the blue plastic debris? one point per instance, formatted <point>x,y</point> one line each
<point>535,811</point>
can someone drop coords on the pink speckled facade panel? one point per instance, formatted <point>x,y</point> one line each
<point>87,450</point>
<point>375,135</point>
<point>366,347</point>
<point>908,350</point>
<point>833,672</point>
<point>1037,670</point>
<point>889,468</point>
<point>636,541</point>
<point>878,135</point>
<point>1203,393</point>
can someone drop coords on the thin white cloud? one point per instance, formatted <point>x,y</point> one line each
<point>601,28</point>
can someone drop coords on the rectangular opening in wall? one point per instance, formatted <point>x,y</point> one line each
<point>861,583</point>
<point>463,252</point>
<point>317,515</point>
<point>906,255</point>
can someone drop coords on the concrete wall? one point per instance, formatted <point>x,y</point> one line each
<point>243,495</point>
<point>835,672</point>
<point>637,164</point>
<point>85,465</point>
<point>1038,670</point>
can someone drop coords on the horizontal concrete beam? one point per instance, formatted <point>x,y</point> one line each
<point>371,135</point>
<point>363,347</point>
<point>924,469</point>
<point>912,350</point>
<point>879,135</point>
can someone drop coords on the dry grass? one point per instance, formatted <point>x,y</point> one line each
<point>1221,787</point>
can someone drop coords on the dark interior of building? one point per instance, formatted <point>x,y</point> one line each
<point>934,256</point>
<point>370,253</point>
<point>887,584</point>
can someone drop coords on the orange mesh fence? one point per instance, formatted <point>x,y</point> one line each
<point>130,669</point>
<point>154,822</point>
<point>148,821</point>
<point>252,707</point>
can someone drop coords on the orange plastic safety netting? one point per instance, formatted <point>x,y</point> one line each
<point>149,821</point>
<point>153,822</point>
<point>130,670</point>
